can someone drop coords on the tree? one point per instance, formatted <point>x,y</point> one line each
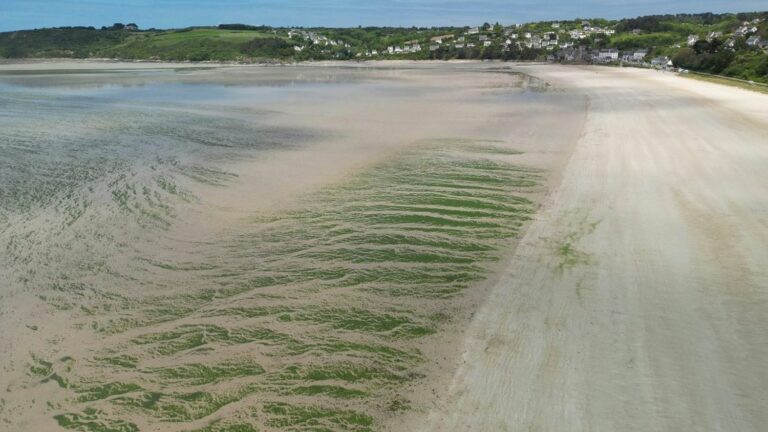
<point>118,26</point>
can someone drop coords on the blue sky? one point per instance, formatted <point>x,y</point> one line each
<point>23,14</point>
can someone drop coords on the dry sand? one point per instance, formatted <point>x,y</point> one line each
<point>636,301</point>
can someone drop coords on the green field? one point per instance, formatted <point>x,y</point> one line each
<point>194,44</point>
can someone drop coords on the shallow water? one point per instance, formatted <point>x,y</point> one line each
<point>137,313</point>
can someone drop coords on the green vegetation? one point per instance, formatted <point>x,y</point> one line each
<point>724,48</point>
<point>92,420</point>
<point>762,88</point>
<point>195,44</point>
<point>228,427</point>
<point>294,417</point>
<point>329,303</point>
<point>197,374</point>
<point>105,391</point>
<point>328,390</point>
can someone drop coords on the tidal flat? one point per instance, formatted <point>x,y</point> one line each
<point>256,248</point>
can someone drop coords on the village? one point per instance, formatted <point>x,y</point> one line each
<point>580,41</point>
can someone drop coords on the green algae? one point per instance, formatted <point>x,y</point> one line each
<point>331,282</point>
<point>198,374</point>
<point>347,372</point>
<point>93,420</point>
<point>363,321</point>
<point>296,417</point>
<point>328,390</point>
<point>105,391</point>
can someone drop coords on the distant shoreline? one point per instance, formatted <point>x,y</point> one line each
<point>16,64</point>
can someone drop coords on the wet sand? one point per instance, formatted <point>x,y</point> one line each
<point>636,300</point>
<point>257,247</point>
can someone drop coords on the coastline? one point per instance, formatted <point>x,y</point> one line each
<point>617,311</point>
<point>534,346</point>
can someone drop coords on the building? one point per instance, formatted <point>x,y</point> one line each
<point>753,41</point>
<point>608,55</point>
<point>131,27</point>
<point>714,35</point>
<point>487,43</point>
<point>660,62</point>
<point>639,55</point>
<point>440,39</point>
<point>692,39</point>
<point>473,31</point>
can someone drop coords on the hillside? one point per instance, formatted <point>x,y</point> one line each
<point>734,45</point>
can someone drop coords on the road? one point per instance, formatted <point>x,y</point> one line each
<point>638,298</point>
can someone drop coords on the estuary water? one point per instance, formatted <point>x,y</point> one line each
<point>243,248</point>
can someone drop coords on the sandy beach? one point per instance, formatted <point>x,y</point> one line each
<point>636,301</point>
<point>437,246</point>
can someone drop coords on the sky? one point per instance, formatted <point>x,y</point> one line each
<point>27,14</point>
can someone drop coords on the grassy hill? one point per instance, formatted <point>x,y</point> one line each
<point>195,44</point>
<point>726,42</point>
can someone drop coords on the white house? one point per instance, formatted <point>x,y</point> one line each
<point>487,43</point>
<point>753,41</point>
<point>608,55</point>
<point>439,39</point>
<point>660,61</point>
<point>576,34</point>
<point>692,39</point>
<point>473,30</point>
<point>714,35</point>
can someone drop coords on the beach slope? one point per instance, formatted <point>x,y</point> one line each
<point>637,299</point>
